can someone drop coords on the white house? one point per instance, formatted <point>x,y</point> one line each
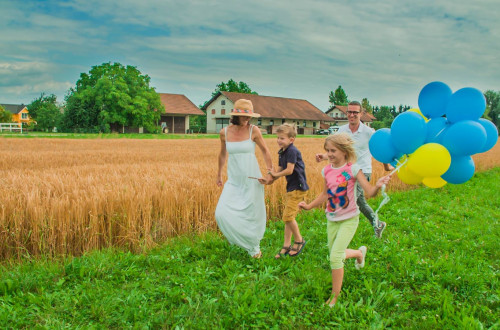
<point>274,111</point>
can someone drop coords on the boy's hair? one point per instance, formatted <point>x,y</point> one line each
<point>344,143</point>
<point>288,129</point>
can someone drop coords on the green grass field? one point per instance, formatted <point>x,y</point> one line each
<point>436,267</point>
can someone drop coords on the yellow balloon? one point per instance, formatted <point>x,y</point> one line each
<point>429,160</point>
<point>408,176</point>
<point>420,113</point>
<point>434,182</point>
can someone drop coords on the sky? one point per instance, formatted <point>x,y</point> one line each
<point>386,51</point>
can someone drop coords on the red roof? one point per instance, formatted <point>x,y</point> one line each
<point>277,107</point>
<point>365,116</point>
<point>179,104</point>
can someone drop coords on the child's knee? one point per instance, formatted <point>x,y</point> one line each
<point>337,259</point>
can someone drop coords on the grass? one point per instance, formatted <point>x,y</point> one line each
<point>436,267</point>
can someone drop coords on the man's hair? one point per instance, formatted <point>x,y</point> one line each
<point>288,129</point>
<point>344,143</point>
<point>355,103</point>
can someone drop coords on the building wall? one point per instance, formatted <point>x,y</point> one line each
<point>217,111</point>
<point>18,117</point>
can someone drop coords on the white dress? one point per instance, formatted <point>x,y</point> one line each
<point>241,211</point>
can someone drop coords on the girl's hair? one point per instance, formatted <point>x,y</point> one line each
<point>344,143</point>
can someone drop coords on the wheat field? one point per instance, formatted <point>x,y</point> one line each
<point>67,196</point>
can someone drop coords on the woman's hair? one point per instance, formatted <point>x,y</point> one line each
<point>344,143</point>
<point>235,120</point>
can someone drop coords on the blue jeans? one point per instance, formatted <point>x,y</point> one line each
<point>363,205</point>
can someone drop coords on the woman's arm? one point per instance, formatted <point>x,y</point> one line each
<point>222,157</point>
<point>259,140</point>
<point>318,201</point>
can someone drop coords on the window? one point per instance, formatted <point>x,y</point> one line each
<point>314,124</point>
<point>213,111</point>
<point>259,122</point>
<point>220,123</point>
<point>223,112</point>
<point>24,115</point>
<point>283,121</point>
<point>271,122</point>
<point>223,102</point>
<point>304,124</point>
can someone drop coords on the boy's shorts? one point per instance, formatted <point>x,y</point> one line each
<point>292,200</point>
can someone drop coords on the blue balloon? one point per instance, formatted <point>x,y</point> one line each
<point>433,98</point>
<point>408,132</point>
<point>465,138</point>
<point>491,134</point>
<point>381,146</point>
<point>461,170</point>
<point>465,104</point>
<point>435,127</point>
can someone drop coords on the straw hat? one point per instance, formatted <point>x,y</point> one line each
<point>243,107</point>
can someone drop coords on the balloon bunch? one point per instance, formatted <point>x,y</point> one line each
<point>434,144</point>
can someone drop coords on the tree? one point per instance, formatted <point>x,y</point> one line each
<point>233,86</point>
<point>384,116</point>
<point>338,98</point>
<point>45,112</point>
<point>112,94</point>
<point>365,104</point>
<point>493,106</point>
<point>5,116</point>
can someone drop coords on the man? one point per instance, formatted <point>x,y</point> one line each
<point>361,134</point>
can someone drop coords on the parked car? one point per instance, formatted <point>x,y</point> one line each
<point>333,129</point>
<point>322,132</point>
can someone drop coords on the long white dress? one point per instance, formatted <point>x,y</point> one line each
<point>241,211</point>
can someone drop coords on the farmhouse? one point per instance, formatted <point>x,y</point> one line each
<point>175,119</point>
<point>339,115</point>
<point>274,111</point>
<point>178,108</point>
<point>19,112</point>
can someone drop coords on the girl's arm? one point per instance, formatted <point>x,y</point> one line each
<point>370,190</point>
<point>222,157</point>
<point>318,201</point>
<point>259,140</point>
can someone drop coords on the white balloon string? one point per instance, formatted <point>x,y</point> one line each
<point>386,197</point>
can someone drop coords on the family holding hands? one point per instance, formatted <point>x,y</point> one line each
<point>241,211</point>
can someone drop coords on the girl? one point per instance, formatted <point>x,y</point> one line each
<point>341,210</point>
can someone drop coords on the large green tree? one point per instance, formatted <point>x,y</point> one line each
<point>339,97</point>
<point>45,112</point>
<point>233,86</point>
<point>365,104</point>
<point>112,94</point>
<point>493,106</point>
<point>5,116</point>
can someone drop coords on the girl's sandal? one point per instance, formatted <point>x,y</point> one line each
<point>280,254</point>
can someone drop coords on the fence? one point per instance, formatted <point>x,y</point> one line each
<point>11,127</point>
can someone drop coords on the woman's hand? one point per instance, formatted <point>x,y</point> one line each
<point>219,181</point>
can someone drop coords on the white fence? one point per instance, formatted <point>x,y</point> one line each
<point>11,127</point>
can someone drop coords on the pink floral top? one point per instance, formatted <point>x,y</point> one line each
<point>341,184</point>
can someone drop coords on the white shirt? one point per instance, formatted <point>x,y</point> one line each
<point>361,138</point>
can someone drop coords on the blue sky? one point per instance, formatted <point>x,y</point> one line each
<point>385,51</point>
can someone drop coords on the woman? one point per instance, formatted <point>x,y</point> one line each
<point>241,212</point>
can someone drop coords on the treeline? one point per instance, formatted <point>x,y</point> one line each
<point>385,114</point>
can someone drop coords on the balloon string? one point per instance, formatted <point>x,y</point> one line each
<point>386,197</point>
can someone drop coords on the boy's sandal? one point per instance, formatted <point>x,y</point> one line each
<point>280,255</point>
<point>299,249</point>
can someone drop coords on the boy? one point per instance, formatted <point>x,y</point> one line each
<point>292,167</point>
